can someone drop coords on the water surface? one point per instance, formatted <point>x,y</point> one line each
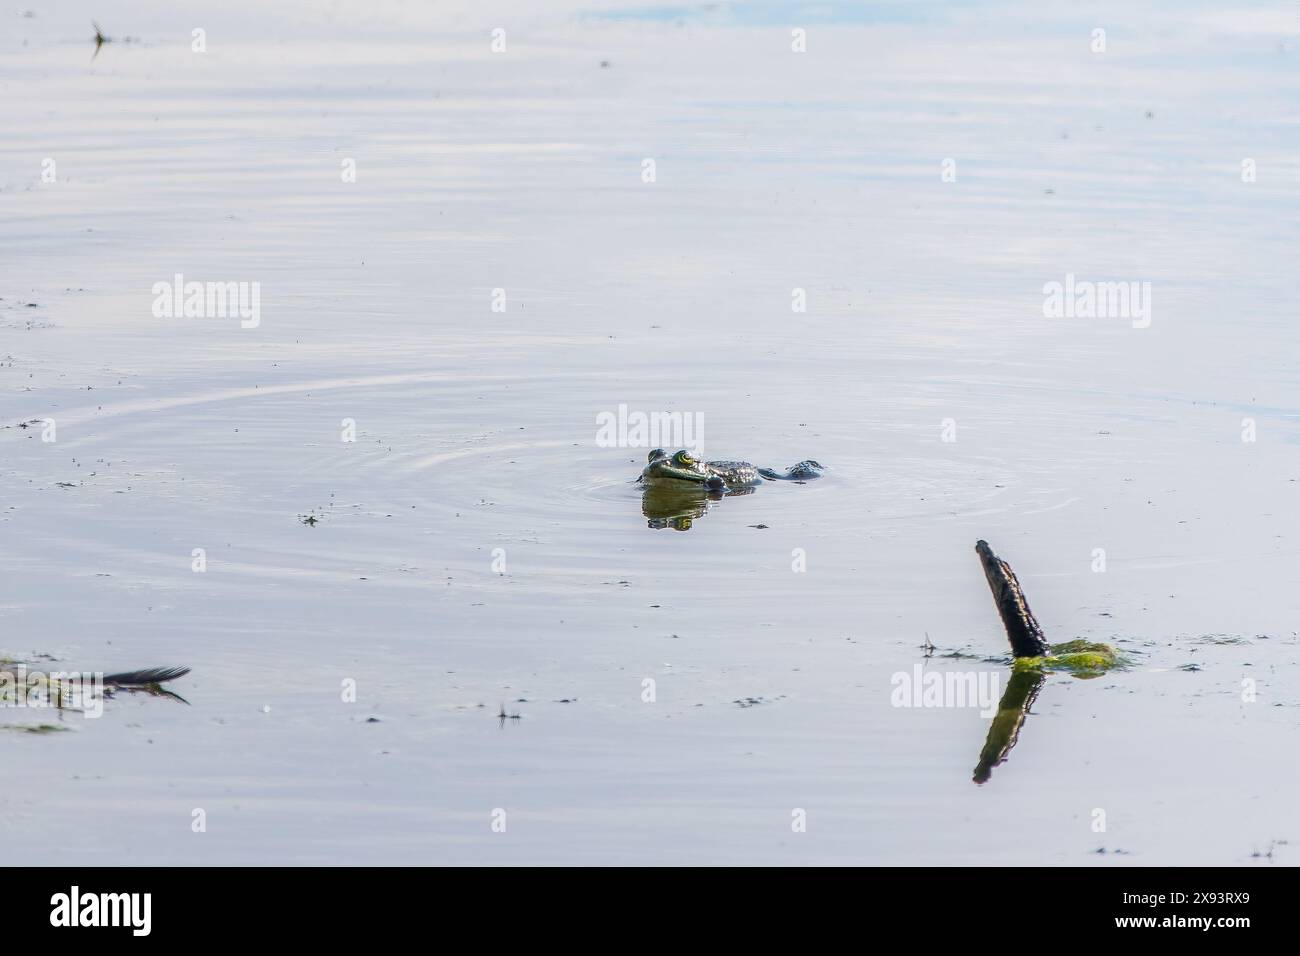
<point>476,430</point>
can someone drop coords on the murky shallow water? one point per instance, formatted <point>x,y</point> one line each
<point>476,437</point>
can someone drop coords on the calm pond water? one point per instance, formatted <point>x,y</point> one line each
<point>502,270</point>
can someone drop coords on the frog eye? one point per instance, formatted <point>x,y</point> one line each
<point>656,454</point>
<point>681,458</point>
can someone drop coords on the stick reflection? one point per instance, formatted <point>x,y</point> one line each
<point>1022,690</point>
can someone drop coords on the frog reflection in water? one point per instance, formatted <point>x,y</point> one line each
<point>679,487</point>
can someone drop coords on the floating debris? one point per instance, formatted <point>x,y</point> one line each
<point>35,728</point>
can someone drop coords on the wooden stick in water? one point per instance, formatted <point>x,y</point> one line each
<point>1022,628</point>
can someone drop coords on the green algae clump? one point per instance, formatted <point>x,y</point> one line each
<point>1083,659</point>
